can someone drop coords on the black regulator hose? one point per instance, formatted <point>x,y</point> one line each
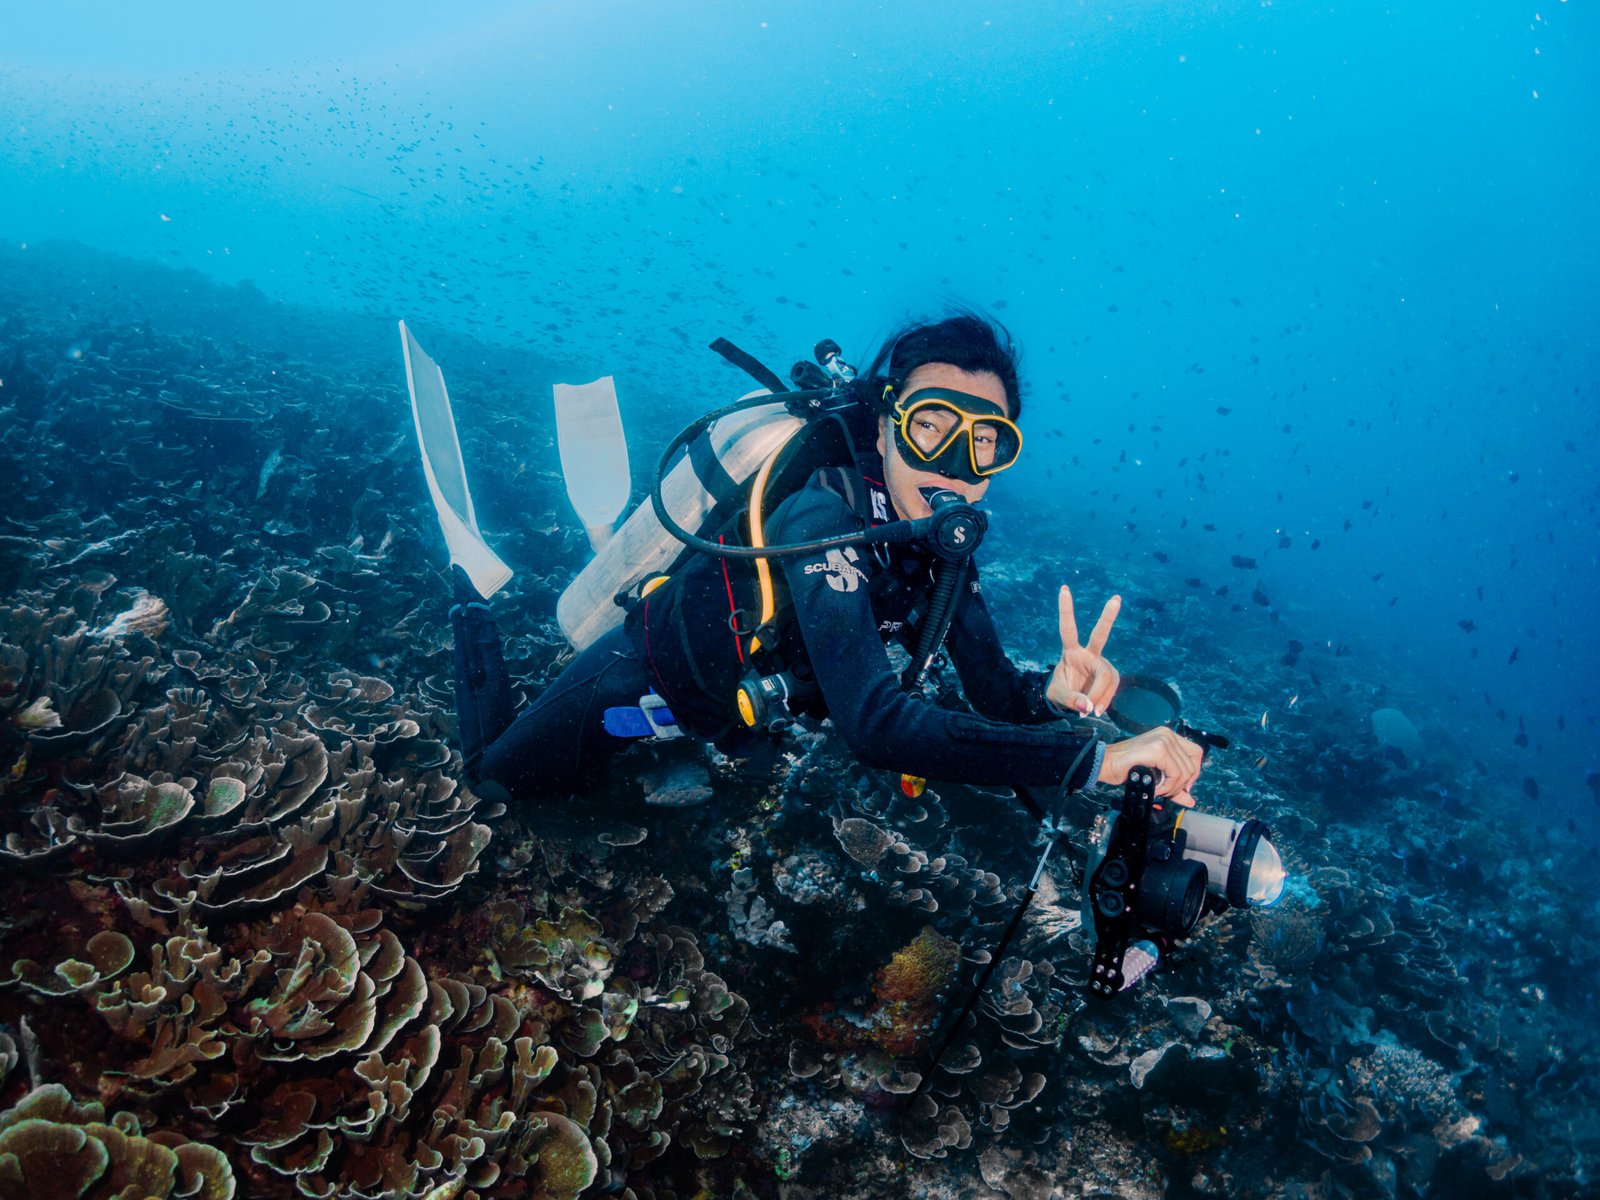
<point>941,609</point>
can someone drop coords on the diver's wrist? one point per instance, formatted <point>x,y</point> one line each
<point>1097,758</point>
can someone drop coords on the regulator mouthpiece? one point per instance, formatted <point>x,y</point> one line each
<point>956,527</point>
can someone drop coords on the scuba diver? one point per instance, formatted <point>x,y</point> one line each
<point>867,532</point>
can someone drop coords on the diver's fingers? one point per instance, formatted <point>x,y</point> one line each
<point>1182,799</point>
<point>1102,627</point>
<point>1079,703</point>
<point>1192,756</point>
<point>1069,620</point>
<point>1096,687</point>
<point>1103,687</point>
<point>1179,762</point>
<point>1175,758</point>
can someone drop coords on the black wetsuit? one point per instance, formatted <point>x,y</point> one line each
<point>842,608</point>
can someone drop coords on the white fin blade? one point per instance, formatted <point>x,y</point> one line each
<point>445,471</point>
<point>594,454</point>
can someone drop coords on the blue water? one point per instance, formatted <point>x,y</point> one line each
<point>1274,267</point>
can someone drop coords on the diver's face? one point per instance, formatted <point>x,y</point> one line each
<point>903,480</point>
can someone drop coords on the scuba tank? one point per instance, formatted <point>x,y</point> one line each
<point>722,459</point>
<point>728,458</point>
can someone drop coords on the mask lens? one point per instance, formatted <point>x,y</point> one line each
<point>994,445</point>
<point>929,427</point>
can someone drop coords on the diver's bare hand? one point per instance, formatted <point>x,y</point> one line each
<point>1083,681</point>
<point>1178,760</point>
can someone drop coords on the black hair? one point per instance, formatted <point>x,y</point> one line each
<point>967,339</point>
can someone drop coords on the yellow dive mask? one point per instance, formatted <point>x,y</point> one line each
<point>955,434</point>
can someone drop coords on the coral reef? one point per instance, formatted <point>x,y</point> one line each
<point>258,937</point>
<point>52,1146</point>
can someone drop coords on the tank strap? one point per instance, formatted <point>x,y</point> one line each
<point>708,469</point>
<point>750,365</point>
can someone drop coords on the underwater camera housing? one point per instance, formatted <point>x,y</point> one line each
<point>1152,864</point>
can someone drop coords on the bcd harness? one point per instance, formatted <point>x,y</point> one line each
<point>828,446</point>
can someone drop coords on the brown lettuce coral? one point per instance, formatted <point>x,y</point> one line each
<point>51,1146</point>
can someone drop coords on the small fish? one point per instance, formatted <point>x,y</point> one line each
<point>1467,624</point>
<point>268,469</point>
<point>1263,720</point>
<point>1244,563</point>
<point>1284,541</point>
<point>1530,786</point>
<point>1159,556</point>
<point>1294,699</point>
<point>1515,650</point>
<point>1261,762</point>
<point>1316,543</point>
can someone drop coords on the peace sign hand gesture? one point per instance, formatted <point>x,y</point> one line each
<point>1083,681</point>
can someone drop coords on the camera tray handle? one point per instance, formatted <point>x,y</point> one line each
<point>1114,887</point>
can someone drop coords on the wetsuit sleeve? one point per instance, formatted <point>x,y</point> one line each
<point>991,681</point>
<point>885,727</point>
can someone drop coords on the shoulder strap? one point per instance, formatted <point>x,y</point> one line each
<point>813,453</point>
<point>851,486</point>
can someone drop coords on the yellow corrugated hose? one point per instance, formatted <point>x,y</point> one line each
<point>758,539</point>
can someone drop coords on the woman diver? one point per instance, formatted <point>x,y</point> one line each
<point>936,419</point>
